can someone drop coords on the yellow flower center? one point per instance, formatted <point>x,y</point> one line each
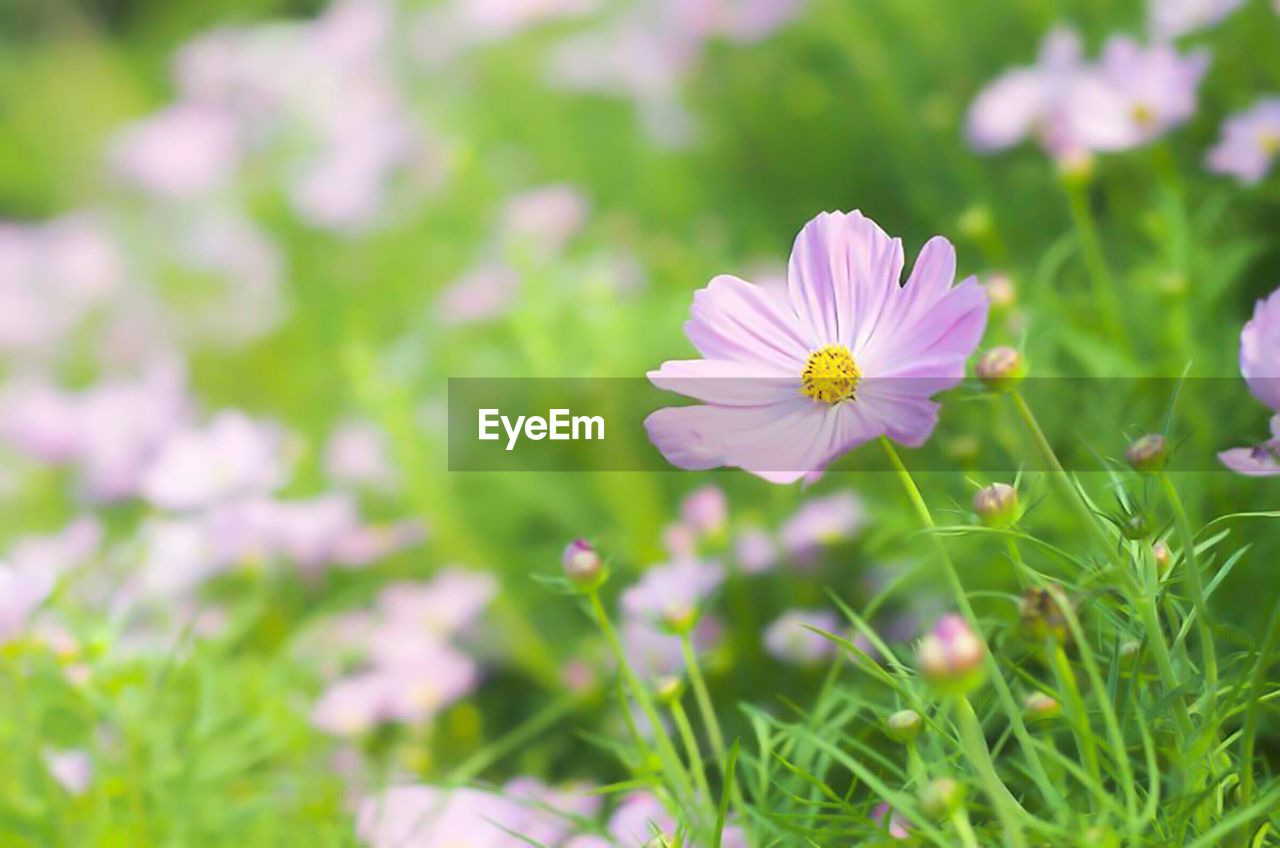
<point>1271,143</point>
<point>830,375</point>
<point>1143,115</point>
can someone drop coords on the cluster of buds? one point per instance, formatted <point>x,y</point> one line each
<point>583,566</point>
<point>1001,368</point>
<point>951,655</point>
<point>996,505</point>
<point>1044,613</point>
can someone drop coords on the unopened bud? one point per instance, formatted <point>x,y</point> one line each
<point>996,505</point>
<point>904,725</point>
<point>1076,166</point>
<point>582,565</point>
<point>680,618</point>
<point>1135,526</point>
<point>1001,368</point>
<point>951,654</point>
<point>1000,291</point>
<point>1163,557</point>
<point>1041,706</point>
<point>1148,453</point>
<point>1043,613</point>
<point>1129,650</point>
<point>941,797</point>
<point>669,689</point>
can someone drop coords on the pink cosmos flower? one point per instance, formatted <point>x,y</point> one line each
<point>1029,101</point>
<point>1250,142</point>
<point>1134,94</point>
<point>234,456</point>
<point>653,652</point>
<point>755,550</point>
<point>1260,365</point>
<point>789,639</point>
<point>22,591</point>
<point>638,817</point>
<point>849,355</point>
<point>357,454</point>
<point>1173,18</point>
<point>545,218</point>
<point>60,552</point>
<point>72,769</point>
<point>179,153</point>
<point>486,292</point>
<point>677,587</point>
<point>705,510</point>
<point>823,521</point>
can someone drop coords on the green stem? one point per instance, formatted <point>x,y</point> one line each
<point>1164,662</point>
<point>703,696</point>
<point>516,738</point>
<point>1007,701</point>
<point>1076,714</point>
<point>1249,736</point>
<point>975,748</point>
<point>1195,584</point>
<point>960,820</point>
<point>692,751</point>
<point>666,749</point>
<point>1104,293</point>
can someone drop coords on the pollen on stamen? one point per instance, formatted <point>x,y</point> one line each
<point>830,375</point>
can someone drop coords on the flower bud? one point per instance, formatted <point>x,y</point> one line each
<point>1041,706</point>
<point>1148,453</point>
<point>996,505</point>
<point>1001,368</point>
<point>583,565</point>
<point>1075,167</point>
<point>1043,613</point>
<point>904,725</point>
<point>1163,557</point>
<point>1129,650</point>
<point>669,689</point>
<point>941,797</point>
<point>680,618</point>
<point>951,655</point>
<point>1001,291</point>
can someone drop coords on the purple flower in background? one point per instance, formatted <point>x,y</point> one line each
<point>234,456</point>
<point>1260,365</point>
<point>705,510</point>
<point>1029,101</point>
<point>486,292</point>
<point>637,818</point>
<point>1250,142</point>
<point>755,550</point>
<point>179,153</point>
<point>673,588</point>
<point>1134,94</point>
<point>452,601</point>
<point>789,639</point>
<point>822,521</point>
<point>545,218</point>
<point>849,355</point>
<point>357,454</point>
<point>888,820</point>
<point>22,591</point>
<point>72,769</point>
<point>1173,18</point>
<point>654,652</point>
<point>60,552</point>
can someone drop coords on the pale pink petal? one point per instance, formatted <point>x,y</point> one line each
<point>726,382</point>
<point>735,320</point>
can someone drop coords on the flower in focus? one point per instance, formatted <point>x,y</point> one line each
<point>1173,18</point>
<point>1134,94</point>
<point>791,638</point>
<point>1250,142</point>
<point>822,521</point>
<point>1029,101</point>
<point>790,384</point>
<point>1260,365</point>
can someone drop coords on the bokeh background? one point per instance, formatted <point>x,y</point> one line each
<point>307,216</point>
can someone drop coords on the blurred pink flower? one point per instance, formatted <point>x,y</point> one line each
<point>60,552</point>
<point>180,153</point>
<point>789,639</point>
<point>39,420</point>
<point>545,218</point>
<point>1134,94</point>
<point>1250,142</point>
<point>822,521</point>
<point>22,591</point>
<point>851,355</point>
<point>755,550</point>
<point>675,587</point>
<point>449,603</point>
<point>72,769</point>
<point>357,454</point>
<point>232,457</point>
<point>1260,365</point>
<point>1029,101</point>
<point>484,293</point>
<point>637,818</point>
<point>369,543</point>
<point>889,821</point>
<point>705,510</point>
<point>1173,18</point>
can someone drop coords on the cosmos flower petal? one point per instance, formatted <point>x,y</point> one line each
<point>843,269</point>
<point>937,342</point>
<point>1260,351</point>
<point>735,320</point>
<point>898,410</point>
<point>1251,462</point>
<point>726,382</point>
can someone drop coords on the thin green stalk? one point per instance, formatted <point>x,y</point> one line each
<point>1249,736</point>
<point>516,738</point>
<point>1076,713</point>
<point>1195,584</point>
<point>666,749</point>
<point>692,751</point>
<point>1146,606</point>
<point>1104,293</point>
<point>960,821</point>
<point>1005,695</point>
<point>703,697</point>
<point>975,748</point>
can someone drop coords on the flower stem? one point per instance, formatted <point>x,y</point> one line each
<point>960,820</point>
<point>1077,714</point>
<point>975,748</point>
<point>703,696</point>
<point>692,751</point>
<point>962,602</point>
<point>1249,736</point>
<point>1104,294</point>
<point>1194,583</point>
